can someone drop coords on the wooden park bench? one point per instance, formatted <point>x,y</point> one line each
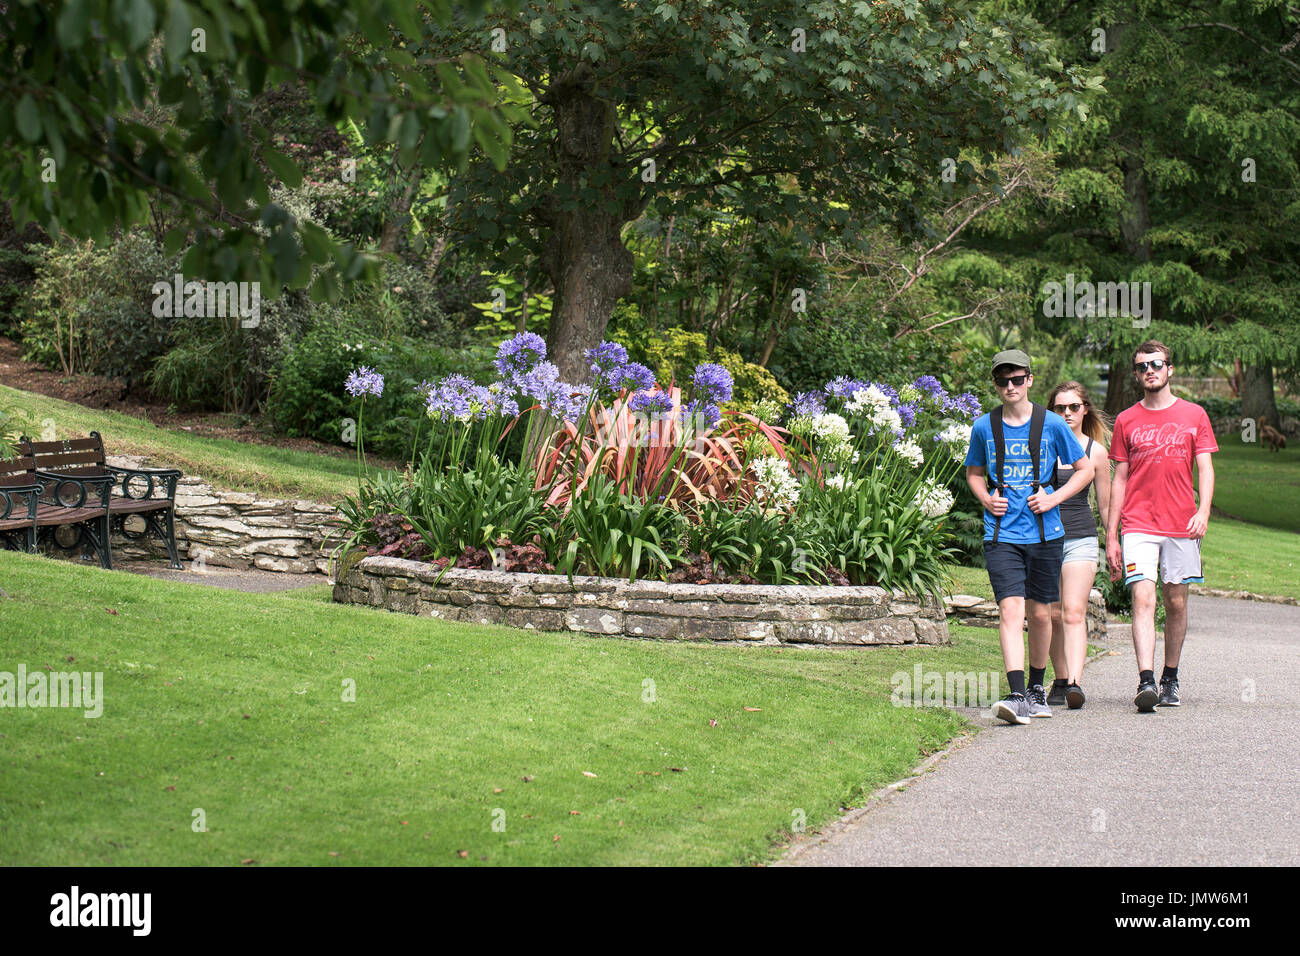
<point>33,508</point>
<point>77,466</point>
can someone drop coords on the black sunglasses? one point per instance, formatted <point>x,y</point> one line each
<point>1073,407</point>
<point>1156,364</point>
<point>1003,381</point>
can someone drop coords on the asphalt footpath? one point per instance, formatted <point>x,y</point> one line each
<point>1213,782</point>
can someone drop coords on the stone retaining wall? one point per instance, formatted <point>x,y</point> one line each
<point>724,613</point>
<point>981,612</point>
<point>234,529</point>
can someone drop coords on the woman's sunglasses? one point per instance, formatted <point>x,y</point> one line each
<point>1156,364</point>
<point>1016,380</point>
<point>1073,407</point>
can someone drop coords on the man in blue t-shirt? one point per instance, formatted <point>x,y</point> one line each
<point>1024,569</point>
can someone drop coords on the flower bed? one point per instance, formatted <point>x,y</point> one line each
<point>626,478</point>
<point>741,614</point>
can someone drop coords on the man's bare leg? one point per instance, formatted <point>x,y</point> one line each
<point>1144,624</point>
<point>1175,623</point>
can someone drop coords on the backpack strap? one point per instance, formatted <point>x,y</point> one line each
<point>999,443</point>
<point>1036,420</point>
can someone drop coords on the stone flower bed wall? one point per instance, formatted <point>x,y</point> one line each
<point>236,529</point>
<point>981,612</point>
<point>735,614</point>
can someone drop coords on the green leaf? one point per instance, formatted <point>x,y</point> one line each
<point>179,25</point>
<point>72,23</point>
<point>139,23</point>
<point>283,167</point>
<point>28,117</point>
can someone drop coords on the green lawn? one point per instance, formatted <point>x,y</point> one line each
<point>232,465</point>
<point>1236,555</point>
<point>232,704</point>
<point>1257,485</point>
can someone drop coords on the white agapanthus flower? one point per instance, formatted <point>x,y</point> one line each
<point>934,501</point>
<point>910,451</point>
<point>766,410</point>
<point>831,428</point>
<point>776,485</point>
<point>838,482</point>
<point>866,400</point>
<point>956,435</point>
<point>885,419</point>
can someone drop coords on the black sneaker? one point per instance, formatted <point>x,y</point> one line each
<point>1074,697</point>
<point>1146,697</point>
<point>1013,709</point>
<point>1056,696</point>
<point>1169,693</point>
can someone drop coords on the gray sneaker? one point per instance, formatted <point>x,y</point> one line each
<point>1036,698</point>
<point>1014,709</point>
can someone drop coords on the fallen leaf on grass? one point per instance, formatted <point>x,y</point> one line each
<point>677,769</point>
<point>588,773</point>
<point>110,610</point>
<point>575,813</point>
<point>526,779</point>
<point>248,861</point>
<point>497,789</point>
<point>334,852</point>
<point>557,838</point>
<point>753,709</point>
<point>712,722</point>
<point>463,854</point>
<point>169,788</point>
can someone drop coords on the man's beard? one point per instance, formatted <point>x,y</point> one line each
<point>1155,388</point>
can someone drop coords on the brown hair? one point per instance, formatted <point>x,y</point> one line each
<point>1095,423</point>
<point>1151,345</point>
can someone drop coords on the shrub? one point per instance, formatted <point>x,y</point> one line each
<point>676,353</point>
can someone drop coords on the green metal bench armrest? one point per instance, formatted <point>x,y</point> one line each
<point>7,495</point>
<point>167,476</point>
<point>90,490</point>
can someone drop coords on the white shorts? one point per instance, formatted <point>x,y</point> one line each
<point>1081,549</point>
<point>1179,559</point>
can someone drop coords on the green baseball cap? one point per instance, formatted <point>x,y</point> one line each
<point>1015,357</point>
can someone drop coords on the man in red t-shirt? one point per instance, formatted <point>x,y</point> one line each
<point>1154,445</point>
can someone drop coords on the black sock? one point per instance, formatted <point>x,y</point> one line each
<point>1060,682</point>
<point>1171,673</point>
<point>1016,681</point>
<point>1036,675</point>
<point>1147,677</point>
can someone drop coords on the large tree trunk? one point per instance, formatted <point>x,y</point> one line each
<point>1257,400</point>
<point>584,255</point>
<point>1122,388</point>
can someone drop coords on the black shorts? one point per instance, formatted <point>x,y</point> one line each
<point>1030,571</point>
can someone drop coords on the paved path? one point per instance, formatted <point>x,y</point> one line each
<point>1216,781</point>
<point>252,580</point>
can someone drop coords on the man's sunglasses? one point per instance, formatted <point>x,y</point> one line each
<point>1073,407</point>
<point>1156,364</point>
<point>1003,381</point>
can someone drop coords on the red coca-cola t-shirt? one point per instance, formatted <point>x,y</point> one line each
<point>1160,448</point>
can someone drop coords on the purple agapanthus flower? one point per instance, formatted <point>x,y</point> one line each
<point>965,405</point>
<point>843,387</point>
<point>890,391</point>
<point>364,381</point>
<point>460,397</point>
<point>517,356</point>
<point>701,414</point>
<point>652,403</point>
<point>808,404</point>
<point>630,376</point>
<point>712,384</point>
<point>606,357</point>
<point>907,411</point>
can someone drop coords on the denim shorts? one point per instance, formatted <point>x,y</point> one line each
<point>1030,571</point>
<point>1081,549</point>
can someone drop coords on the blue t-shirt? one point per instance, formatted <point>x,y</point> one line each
<point>1019,524</point>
